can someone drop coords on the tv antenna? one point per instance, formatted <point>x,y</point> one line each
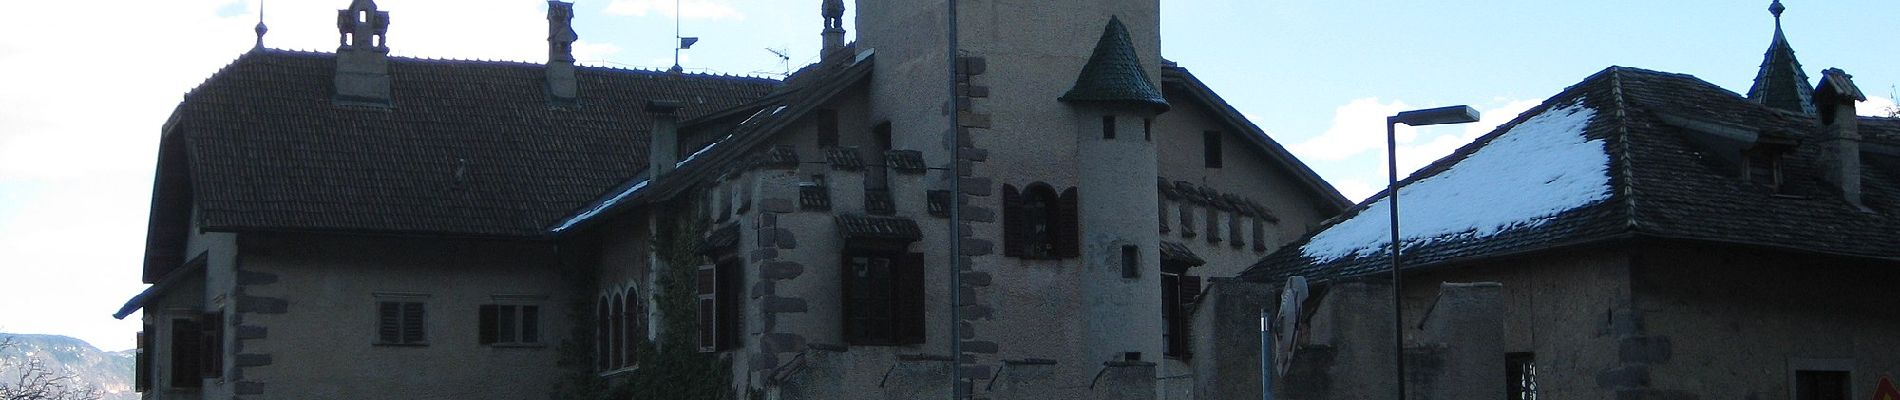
<point>784,59</point>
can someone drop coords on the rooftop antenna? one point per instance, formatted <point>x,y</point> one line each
<point>784,59</point>
<point>684,42</point>
<point>260,29</point>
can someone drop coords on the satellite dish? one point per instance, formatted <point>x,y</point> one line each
<point>1292,298</point>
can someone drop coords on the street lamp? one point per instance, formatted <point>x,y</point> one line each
<point>1434,116</point>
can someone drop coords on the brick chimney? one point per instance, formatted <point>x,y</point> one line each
<point>562,87</point>
<point>664,141</point>
<point>1834,101</point>
<point>362,60</point>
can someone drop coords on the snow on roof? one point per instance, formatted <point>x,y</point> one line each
<point>602,206</point>
<point>1525,177</point>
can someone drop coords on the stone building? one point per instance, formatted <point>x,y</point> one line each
<point>1655,237</point>
<point>356,225</point>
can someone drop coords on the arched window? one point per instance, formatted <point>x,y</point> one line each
<point>619,333</point>
<point>1039,224</point>
<point>603,336</point>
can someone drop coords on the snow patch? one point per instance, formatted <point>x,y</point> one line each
<point>1524,178</point>
<point>591,212</point>
<point>702,150</point>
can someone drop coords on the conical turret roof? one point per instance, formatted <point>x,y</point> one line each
<point>1114,74</point>
<point>1781,84</point>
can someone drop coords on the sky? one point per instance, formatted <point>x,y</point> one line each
<point>85,86</point>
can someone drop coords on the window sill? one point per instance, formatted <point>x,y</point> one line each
<point>618,372</point>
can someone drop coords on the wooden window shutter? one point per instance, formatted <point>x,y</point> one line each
<point>213,347</point>
<point>142,362</point>
<point>412,319</point>
<point>185,338</point>
<point>853,331</point>
<point>1012,222</point>
<point>707,281</point>
<point>909,277</point>
<point>488,326</point>
<point>1170,313</point>
<point>1259,235</point>
<point>1234,232</point>
<point>389,322</point>
<point>731,278</point>
<point>530,324</point>
<point>1066,226</point>
<point>1190,290</point>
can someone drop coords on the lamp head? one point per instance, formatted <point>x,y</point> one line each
<point>1436,116</point>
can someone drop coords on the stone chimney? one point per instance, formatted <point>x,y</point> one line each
<point>362,59</point>
<point>834,27</point>
<point>562,87</point>
<point>664,141</point>
<point>1834,100</point>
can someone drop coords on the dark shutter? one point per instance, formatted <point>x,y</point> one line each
<point>213,346</point>
<point>1066,226</point>
<point>731,287</point>
<point>530,324</point>
<point>1190,290</point>
<point>142,362</point>
<point>185,337</point>
<point>412,319</point>
<point>708,284</point>
<point>1012,222</point>
<point>1210,146</point>
<point>616,357</point>
<point>1170,314</point>
<point>389,322</point>
<point>488,324</point>
<point>909,277</point>
<point>635,318</point>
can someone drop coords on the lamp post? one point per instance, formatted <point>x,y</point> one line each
<point>1434,116</point>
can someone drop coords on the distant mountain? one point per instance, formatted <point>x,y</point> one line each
<point>111,371</point>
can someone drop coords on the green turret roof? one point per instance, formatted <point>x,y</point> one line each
<point>1114,75</point>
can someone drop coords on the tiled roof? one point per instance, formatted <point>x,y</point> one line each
<point>1113,73</point>
<point>469,147</point>
<point>1668,183</point>
<point>1781,83</point>
<point>1177,254</point>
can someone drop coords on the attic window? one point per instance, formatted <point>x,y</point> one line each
<point>1764,167</point>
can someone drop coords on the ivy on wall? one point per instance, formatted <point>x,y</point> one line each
<point>672,367</point>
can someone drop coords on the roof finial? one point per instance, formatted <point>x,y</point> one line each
<point>261,29</point>
<point>1776,9</point>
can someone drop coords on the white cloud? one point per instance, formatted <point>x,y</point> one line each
<point>688,9</point>
<point>1358,127</point>
<point>1877,106</point>
<point>586,51</point>
<point>1355,190</point>
<point>1351,153</point>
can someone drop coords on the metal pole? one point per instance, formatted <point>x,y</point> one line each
<point>1266,355</point>
<point>956,208</point>
<point>1392,197</point>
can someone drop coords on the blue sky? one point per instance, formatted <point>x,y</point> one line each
<point>84,92</point>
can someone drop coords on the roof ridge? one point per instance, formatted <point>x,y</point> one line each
<point>1622,153</point>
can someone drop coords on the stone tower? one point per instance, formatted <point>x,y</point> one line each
<point>1048,92</point>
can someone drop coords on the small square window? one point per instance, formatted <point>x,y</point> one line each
<point>1108,127</point>
<point>1148,129</point>
<point>1131,262</point>
<point>1210,143</point>
<point>1821,385</point>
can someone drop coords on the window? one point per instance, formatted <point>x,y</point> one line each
<point>1210,148</point>
<point>720,287</point>
<point>1821,385</point>
<point>400,323</point>
<point>1131,262</point>
<point>1520,376</point>
<point>1148,129</point>
<point>827,127</point>
<point>1178,292</point>
<point>1038,224</point>
<point>1259,234</point>
<point>1187,220</point>
<point>510,324</point>
<point>1764,168</point>
<point>1234,231</point>
<point>604,335</point>
<point>876,176</point>
<point>1213,224</point>
<point>634,328</point>
<point>1108,127</point>
<point>883,298</point>
<point>186,345</point>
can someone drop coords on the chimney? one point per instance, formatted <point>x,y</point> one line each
<point>362,60</point>
<point>834,27</point>
<point>562,87</point>
<point>1834,100</point>
<point>664,141</point>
